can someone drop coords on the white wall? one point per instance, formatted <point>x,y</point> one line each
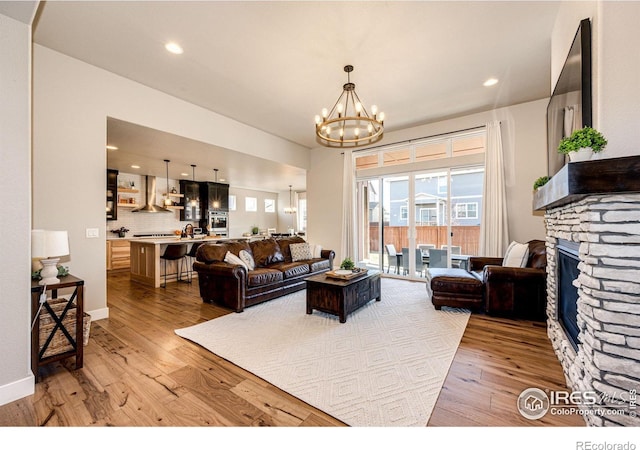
<point>72,100</point>
<point>16,379</point>
<point>618,108</point>
<point>242,221</point>
<point>615,67</point>
<point>524,144</point>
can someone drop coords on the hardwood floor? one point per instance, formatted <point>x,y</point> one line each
<point>138,372</point>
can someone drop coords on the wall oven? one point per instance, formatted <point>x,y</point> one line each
<point>219,223</point>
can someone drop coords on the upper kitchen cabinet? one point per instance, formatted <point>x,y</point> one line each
<point>112,194</point>
<point>216,196</point>
<point>192,201</point>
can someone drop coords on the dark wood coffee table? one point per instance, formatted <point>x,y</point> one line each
<point>342,297</point>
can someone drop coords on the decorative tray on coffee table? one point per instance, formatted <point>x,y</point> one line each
<point>346,274</point>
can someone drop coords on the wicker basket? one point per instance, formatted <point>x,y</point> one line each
<point>59,343</point>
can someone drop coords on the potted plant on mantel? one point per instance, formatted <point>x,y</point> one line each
<point>582,143</point>
<point>540,182</point>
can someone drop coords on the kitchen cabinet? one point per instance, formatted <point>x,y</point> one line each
<point>216,197</point>
<point>118,254</point>
<point>145,267</point>
<point>191,201</point>
<point>112,189</point>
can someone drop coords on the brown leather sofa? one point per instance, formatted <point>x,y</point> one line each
<point>275,272</point>
<point>500,291</point>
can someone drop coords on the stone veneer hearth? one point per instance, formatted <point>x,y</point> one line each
<point>607,229</point>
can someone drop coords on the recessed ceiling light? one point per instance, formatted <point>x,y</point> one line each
<point>490,82</point>
<point>135,166</point>
<point>112,147</point>
<point>174,48</point>
<point>184,174</point>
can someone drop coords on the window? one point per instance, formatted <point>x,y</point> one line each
<point>427,216</point>
<point>465,211</point>
<point>404,213</point>
<point>269,205</point>
<point>431,150</point>
<point>394,157</point>
<point>425,150</point>
<point>367,161</point>
<point>442,185</point>
<point>302,214</point>
<point>232,203</point>
<point>250,204</point>
<point>468,145</point>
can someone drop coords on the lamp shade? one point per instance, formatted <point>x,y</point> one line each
<point>49,244</point>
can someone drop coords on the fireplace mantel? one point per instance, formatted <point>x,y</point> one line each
<point>579,179</point>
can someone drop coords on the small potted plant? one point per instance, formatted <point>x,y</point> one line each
<point>540,182</point>
<point>254,229</point>
<point>582,144</point>
<point>347,264</point>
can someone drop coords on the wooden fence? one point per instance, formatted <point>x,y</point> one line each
<point>467,237</point>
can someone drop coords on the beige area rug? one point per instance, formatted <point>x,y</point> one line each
<point>384,367</point>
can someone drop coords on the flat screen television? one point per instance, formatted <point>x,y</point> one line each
<point>570,104</point>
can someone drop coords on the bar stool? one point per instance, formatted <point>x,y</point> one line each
<point>191,257</point>
<point>174,252</point>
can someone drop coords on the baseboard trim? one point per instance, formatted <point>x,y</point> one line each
<point>97,314</point>
<point>17,389</point>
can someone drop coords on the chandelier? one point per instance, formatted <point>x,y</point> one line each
<point>348,124</point>
<point>290,209</point>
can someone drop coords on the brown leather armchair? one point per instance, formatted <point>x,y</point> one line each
<point>514,291</point>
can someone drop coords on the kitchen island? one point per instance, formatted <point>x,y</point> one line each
<point>146,265</point>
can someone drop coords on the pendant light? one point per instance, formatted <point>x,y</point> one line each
<point>216,202</point>
<point>194,202</point>
<point>291,209</point>
<point>167,200</point>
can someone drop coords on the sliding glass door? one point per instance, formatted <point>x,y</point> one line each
<point>420,203</point>
<point>412,221</point>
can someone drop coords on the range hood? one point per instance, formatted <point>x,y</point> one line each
<point>150,198</point>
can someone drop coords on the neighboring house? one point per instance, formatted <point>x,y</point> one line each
<point>431,200</point>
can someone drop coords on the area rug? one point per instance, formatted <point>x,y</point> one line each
<point>384,367</point>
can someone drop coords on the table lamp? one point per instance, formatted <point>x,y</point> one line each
<point>48,247</point>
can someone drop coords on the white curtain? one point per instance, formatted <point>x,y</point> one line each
<point>494,232</point>
<point>348,236</point>
<point>572,119</point>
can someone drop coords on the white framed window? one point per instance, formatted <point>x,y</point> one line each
<point>428,216</point>
<point>269,205</point>
<point>404,213</point>
<point>466,210</point>
<point>232,203</point>
<point>442,185</point>
<point>250,204</point>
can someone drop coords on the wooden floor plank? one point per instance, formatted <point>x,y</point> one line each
<point>138,372</point>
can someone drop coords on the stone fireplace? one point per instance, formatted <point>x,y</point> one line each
<point>604,228</point>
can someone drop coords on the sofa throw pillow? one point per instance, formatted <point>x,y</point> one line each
<point>233,259</point>
<point>300,252</point>
<point>246,257</point>
<point>316,250</point>
<point>516,255</point>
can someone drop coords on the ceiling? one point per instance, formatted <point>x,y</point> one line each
<point>274,64</point>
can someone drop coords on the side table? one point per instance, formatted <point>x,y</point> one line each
<point>61,340</point>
